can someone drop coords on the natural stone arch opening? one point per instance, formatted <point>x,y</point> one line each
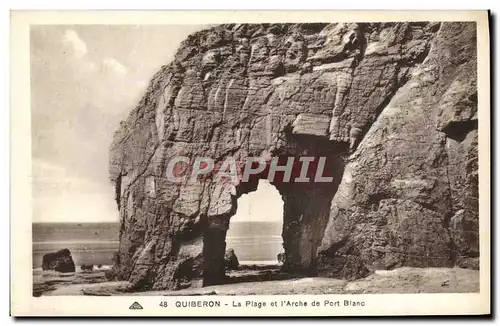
<point>255,231</point>
<point>351,85</point>
<point>306,206</point>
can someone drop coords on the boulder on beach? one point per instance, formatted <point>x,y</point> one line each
<point>281,257</point>
<point>230,260</point>
<point>230,263</point>
<point>112,273</point>
<point>60,261</point>
<point>468,262</point>
<point>87,268</point>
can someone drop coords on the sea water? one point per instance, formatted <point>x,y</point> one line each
<point>95,243</point>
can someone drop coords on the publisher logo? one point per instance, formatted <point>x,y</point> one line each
<point>135,306</point>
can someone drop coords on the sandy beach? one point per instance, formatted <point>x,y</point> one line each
<point>267,280</point>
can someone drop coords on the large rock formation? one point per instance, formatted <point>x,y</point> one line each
<point>392,107</point>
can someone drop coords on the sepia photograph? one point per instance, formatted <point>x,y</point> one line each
<point>205,161</point>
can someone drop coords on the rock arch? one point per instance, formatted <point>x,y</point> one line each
<point>305,214</point>
<point>374,98</point>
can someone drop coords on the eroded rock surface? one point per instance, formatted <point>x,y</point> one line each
<point>391,106</point>
<point>409,194</point>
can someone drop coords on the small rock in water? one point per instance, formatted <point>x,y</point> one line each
<point>87,268</point>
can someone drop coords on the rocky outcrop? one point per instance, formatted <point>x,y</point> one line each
<point>59,261</point>
<point>391,106</point>
<point>409,194</point>
<point>87,268</point>
<point>230,260</point>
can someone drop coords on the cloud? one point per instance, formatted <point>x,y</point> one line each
<point>78,46</point>
<point>43,169</point>
<point>53,176</point>
<point>61,195</point>
<point>115,66</point>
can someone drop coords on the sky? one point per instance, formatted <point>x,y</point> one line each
<point>264,204</point>
<point>85,79</point>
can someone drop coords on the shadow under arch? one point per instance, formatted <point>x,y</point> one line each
<point>306,209</point>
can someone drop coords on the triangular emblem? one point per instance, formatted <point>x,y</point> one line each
<point>135,305</point>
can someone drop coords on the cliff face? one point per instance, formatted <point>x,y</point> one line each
<point>392,107</point>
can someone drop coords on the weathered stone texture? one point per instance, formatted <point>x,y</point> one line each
<point>409,195</point>
<point>393,107</point>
